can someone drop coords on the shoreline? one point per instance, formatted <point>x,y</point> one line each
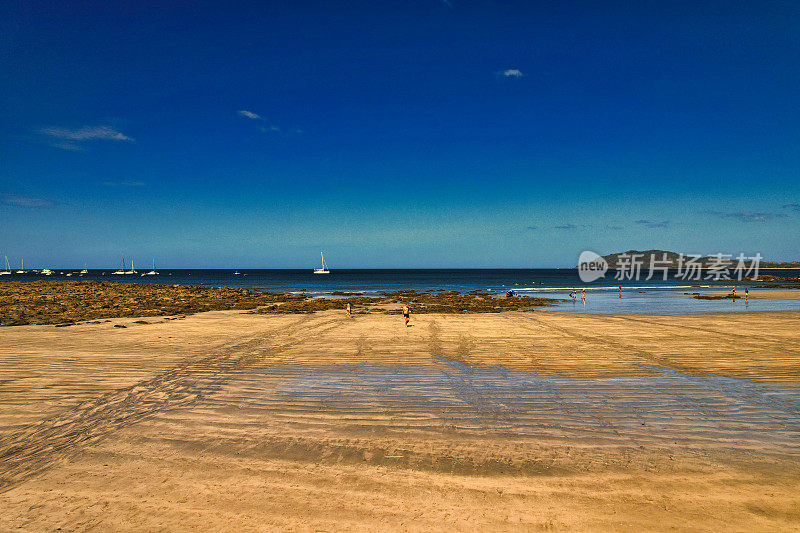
<point>68,302</point>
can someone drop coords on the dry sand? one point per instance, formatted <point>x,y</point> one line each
<point>516,421</point>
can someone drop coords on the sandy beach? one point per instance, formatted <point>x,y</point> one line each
<point>229,420</point>
<point>218,219</point>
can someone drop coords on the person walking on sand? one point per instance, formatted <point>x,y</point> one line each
<point>406,313</point>
<point>347,311</point>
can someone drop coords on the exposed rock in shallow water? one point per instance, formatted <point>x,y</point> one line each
<point>68,302</point>
<point>473,302</point>
<point>62,302</point>
<point>768,278</point>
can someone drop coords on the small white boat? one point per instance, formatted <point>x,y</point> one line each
<point>7,271</point>
<point>122,271</point>
<point>322,270</point>
<point>152,272</point>
<point>237,273</point>
<point>84,271</point>
<point>21,267</point>
<point>46,272</point>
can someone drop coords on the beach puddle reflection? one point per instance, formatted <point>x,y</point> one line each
<point>672,406</point>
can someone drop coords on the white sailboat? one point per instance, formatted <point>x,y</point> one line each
<point>84,271</point>
<point>152,272</point>
<point>7,271</point>
<point>21,267</point>
<point>122,271</point>
<point>322,270</point>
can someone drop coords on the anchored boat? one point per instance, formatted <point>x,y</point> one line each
<point>152,272</point>
<point>122,271</point>
<point>7,271</point>
<point>322,270</point>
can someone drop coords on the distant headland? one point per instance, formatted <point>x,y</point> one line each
<point>669,259</point>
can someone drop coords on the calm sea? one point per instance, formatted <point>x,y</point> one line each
<point>655,296</point>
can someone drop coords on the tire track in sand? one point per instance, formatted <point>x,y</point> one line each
<point>39,446</point>
<point>706,410</point>
<point>648,357</point>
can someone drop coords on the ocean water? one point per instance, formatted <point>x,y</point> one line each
<point>655,296</point>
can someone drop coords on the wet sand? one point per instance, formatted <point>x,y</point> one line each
<point>515,421</point>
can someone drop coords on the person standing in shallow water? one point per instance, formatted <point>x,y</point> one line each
<point>406,313</point>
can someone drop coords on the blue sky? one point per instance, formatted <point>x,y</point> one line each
<point>396,134</point>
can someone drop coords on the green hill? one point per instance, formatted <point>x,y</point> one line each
<point>643,257</point>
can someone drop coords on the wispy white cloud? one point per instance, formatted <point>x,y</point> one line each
<point>566,226</point>
<point>249,114</point>
<point>793,207</point>
<point>87,133</point>
<point>652,224</point>
<point>15,200</point>
<point>747,216</point>
<point>511,73</point>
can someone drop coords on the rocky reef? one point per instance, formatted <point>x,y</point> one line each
<point>68,302</point>
<point>772,279</point>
